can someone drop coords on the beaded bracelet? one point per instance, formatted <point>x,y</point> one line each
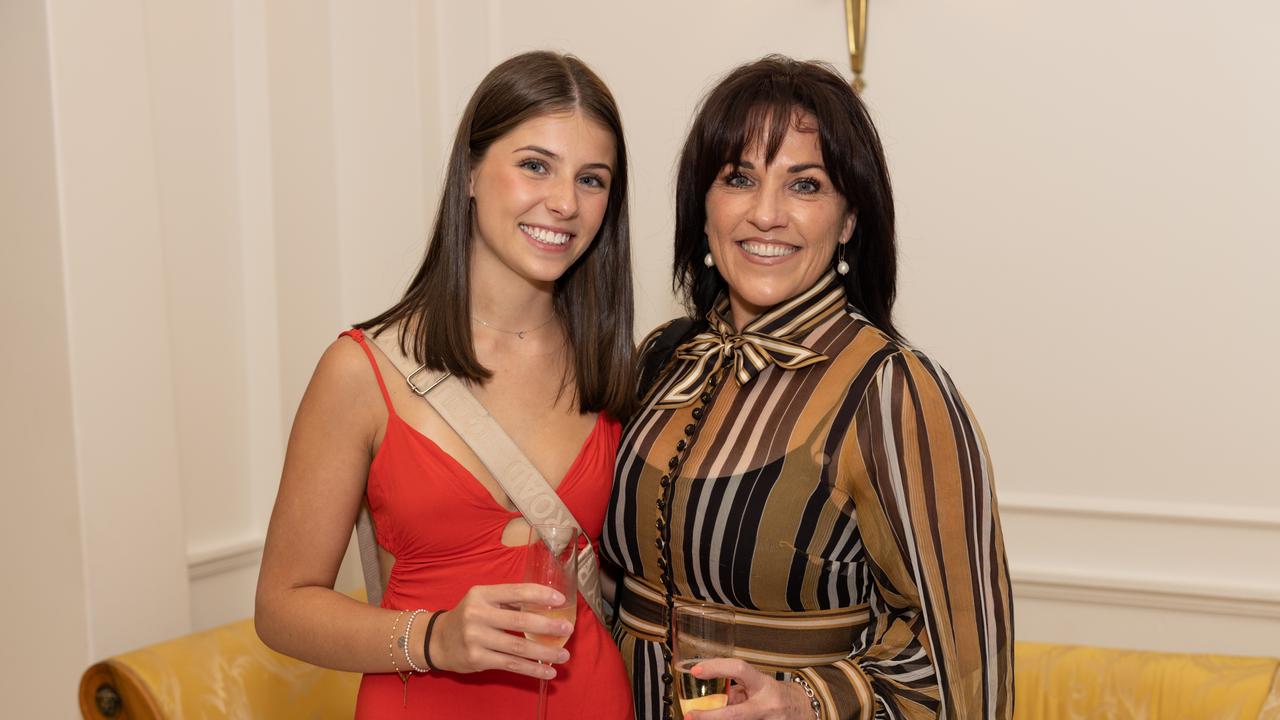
<point>404,641</point>
<point>808,691</point>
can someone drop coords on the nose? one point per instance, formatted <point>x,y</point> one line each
<point>562,197</point>
<point>768,210</point>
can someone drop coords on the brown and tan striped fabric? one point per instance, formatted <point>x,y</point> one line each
<point>859,481</point>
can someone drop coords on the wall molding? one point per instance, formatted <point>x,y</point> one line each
<point>1237,516</point>
<point>1099,588</point>
<point>1148,588</point>
<point>218,559</point>
<point>1030,582</point>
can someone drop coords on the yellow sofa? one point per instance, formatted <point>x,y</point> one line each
<point>228,673</point>
<point>1070,682</point>
<point>225,672</point>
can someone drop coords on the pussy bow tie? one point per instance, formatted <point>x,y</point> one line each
<point>750,352</point>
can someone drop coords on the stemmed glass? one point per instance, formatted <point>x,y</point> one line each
<point>702,632</point>
<point>551,559</point>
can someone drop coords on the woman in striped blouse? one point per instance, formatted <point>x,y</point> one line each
<point>793,458</point>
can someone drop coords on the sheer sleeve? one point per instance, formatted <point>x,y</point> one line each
<point>941,640</point>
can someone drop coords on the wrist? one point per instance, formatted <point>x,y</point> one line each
<point>430,648</point>
<point>809,706</point>
<point>394,647</point>
<point>410,641</point>
<point>414,640</point>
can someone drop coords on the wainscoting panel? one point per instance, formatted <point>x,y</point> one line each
<point>225,577</point>
<point>1144,574</point>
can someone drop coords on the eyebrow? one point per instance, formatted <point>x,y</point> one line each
<point>793,169</point>
<point>543,151</point>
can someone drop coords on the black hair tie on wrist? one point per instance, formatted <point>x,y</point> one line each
<point>426,642</point>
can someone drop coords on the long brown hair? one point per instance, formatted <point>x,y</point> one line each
<point>757,102</point>
<point>593,299</point>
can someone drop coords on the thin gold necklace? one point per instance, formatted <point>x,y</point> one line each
<point>518,333</point>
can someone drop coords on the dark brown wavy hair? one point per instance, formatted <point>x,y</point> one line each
<point>593,298</point>
<point>758,102</point>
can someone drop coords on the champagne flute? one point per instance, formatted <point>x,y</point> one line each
<point>551,559</point>
<point>702,632</point>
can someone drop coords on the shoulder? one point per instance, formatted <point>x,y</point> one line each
<point>344,362</point>
<point>658,345</point>
<point>915,382</point>
<point>865,333</point>
<point>656,349</point>
<point>664,333</point>
<point>344,378</point>
<point>885,361</point>
<point>857,349</point>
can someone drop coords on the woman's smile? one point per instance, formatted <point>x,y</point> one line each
<point>766,252</point>
<point>547,238</point>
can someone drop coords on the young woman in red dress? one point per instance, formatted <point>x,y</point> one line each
<point>525,294</point>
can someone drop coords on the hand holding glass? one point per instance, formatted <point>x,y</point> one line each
<point>551,559</point>
<point>702,632</point>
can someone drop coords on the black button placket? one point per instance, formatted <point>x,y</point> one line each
<point>663,523</point>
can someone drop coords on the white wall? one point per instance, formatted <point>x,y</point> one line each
<point>203,194</point>
<point>45,627</point>
<point>1088,245</point>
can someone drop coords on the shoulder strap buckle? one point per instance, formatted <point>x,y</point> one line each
<point>422,392</point>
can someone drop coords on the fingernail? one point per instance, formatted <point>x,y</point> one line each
<point>563,657</point>
<point>566,628</point>
<point>556,599</point>
<point>548,673</point>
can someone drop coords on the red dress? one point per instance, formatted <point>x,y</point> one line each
<point>445,529</point>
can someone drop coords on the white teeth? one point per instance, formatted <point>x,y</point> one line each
<point>768,249</point>
<point>543,235</point>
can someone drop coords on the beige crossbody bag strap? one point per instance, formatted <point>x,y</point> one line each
<point>527,488</point>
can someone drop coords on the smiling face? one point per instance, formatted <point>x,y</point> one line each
<point>540,196</point>
<point>773,227</point>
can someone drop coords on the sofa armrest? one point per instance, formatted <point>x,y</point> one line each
<point>223,672</point>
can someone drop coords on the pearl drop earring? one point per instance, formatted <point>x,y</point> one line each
<point>842,267</point>
<point>709,261</point>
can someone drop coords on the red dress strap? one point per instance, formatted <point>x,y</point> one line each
<point>358,335</point>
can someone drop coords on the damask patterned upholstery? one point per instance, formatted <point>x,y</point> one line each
<point>228,673</point>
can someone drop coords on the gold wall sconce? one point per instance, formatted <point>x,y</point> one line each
<point>855,19</point>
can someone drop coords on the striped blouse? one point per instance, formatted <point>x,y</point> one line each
<point>856,478</point>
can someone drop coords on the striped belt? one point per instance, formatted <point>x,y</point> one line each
<point>772,639</point>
